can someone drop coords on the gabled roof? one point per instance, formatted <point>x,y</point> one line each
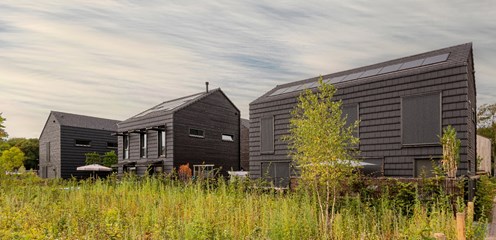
<point>174,105</point>
<point>429,61</point>
<point>76,120</point>
<point>245,123</point>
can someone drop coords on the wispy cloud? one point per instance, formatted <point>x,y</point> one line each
<point>116,58</point>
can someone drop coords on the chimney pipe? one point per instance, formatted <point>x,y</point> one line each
<point>206,85</point>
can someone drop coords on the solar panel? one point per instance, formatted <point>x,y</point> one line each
<point>308,85</point>
<point>353,76</point>
<point>167,105</point>
<point>436,59</point>
<point>371,72</point>
<point>279,91</point>
<point>390,68</point>
<point>292,89</point>
<point>412,64</point>
<point>336,79</point>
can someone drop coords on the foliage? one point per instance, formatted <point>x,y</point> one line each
<point>109,158</point>
<point>484,196</point>
<point>11,159</point>
<point>321,146</point>
<point>161,208</point>
<point>486,115</point>
<point>93,158</point>
<point>185,172</point>
<point>30,148</point>
<point>451,151</point>
<point>3,133</point>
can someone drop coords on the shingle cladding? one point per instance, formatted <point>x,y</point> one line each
<point>210,111</point>
<point>59,155</point>
<point>379,101</point>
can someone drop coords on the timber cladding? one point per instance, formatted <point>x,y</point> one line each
<point>401,112</point>
<point>200,129</point>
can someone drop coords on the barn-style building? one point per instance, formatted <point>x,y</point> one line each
<point>67,137</point>
<point>202,130</point>
<point>402,106</point>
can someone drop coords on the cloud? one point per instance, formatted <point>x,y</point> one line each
<point>114,59</point>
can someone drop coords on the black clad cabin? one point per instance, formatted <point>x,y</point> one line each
<point>67,137</point>
<point>202,129</point>
<point>402,104</point>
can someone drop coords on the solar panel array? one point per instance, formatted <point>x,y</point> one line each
<point>368,73</point>
<point>169,105</point>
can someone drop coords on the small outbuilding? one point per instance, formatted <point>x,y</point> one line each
<point>202,130</point>
<point>67,137</point>
<point>402,105</point>
<point>484,149</point>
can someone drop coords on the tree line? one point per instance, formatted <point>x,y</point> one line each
<point>17,153</point>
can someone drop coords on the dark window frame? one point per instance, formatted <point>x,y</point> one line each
<point>272,179</point>
<point>125,140</point>
<point>440,95</point>
<point>414,170</point>
<point>193,135</point>
<point>162,143</point>
<point>357,107</point>
<point>143,144</point>
<point>47,151</point>
<point>228,135</point>
<point>109,145</point>
<point>272,151</point>
<point>80,144</point>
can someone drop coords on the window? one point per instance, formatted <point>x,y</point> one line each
<point>276,173</point>
<point>143,144</point>
<point>227,138</point>
<point>424,167</point>
<point>196,133</point>
<point>126,146</point>
<point>267,135</point>
<point>47,151</point>
<point>83,143</point>
<point>421,119</point>
<point>161,143</point>
<point>203,171</point>
<point>372,167</point>
<point>351,113</point>
<point>112,145</point>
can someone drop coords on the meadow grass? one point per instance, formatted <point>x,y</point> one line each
<point>163,208</point>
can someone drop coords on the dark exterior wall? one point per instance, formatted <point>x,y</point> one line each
<point>472,119</point>
<point>50,134</point>
<point>134,145</point>
<point>74,156</point>
<point>216,115</point>
<point>379,103</point>
<point>245,148</point>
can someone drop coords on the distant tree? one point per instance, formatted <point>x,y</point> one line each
<point>11,159</point>
<point>3,133</point>
<point>30,148</point>
<point>109,158</point>
<point>93,158</point>
<point>486,115</point>
<point>321,146</point>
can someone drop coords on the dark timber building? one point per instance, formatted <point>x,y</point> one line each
<point>65,140</point>
<point>201,129</point>
<point>402,104</point>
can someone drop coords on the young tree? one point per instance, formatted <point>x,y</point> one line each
<point>109,158</point>
<point>11,159</point>
<point>3,133</point>
<point>451,151</point>
<point>93,158</point>
<point>322,147</point>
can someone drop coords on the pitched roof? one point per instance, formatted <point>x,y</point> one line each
<point>428,61</point>
<point>173,105</point>
<point>245,122</point>
<point>76,120</point>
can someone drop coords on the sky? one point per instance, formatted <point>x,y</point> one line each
<point>114,59</point>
